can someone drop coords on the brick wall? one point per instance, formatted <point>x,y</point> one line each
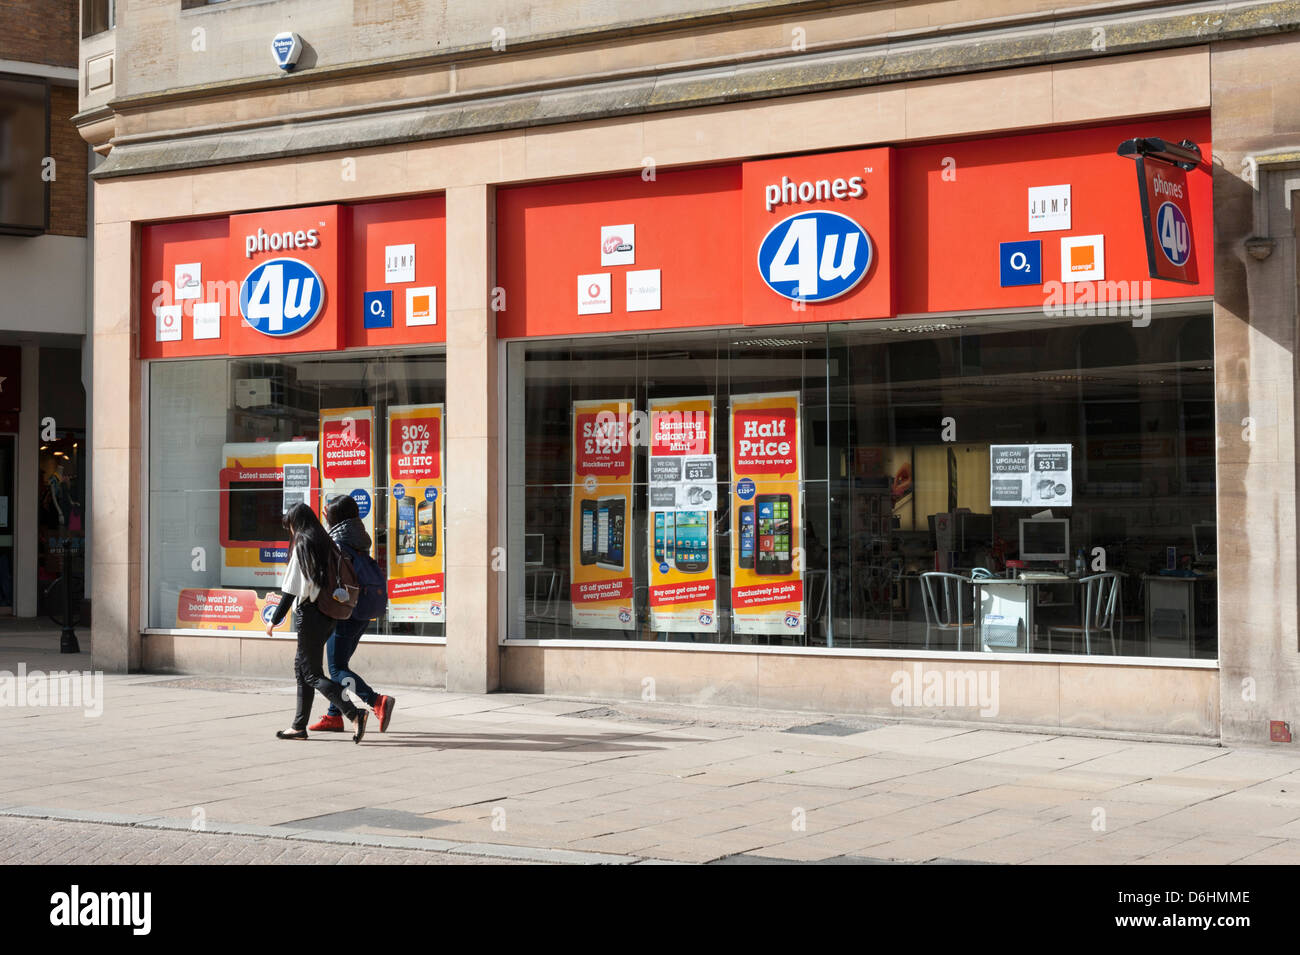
<point>39,31</point>
<point>68,190</point>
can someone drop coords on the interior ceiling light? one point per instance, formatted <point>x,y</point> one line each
<point>774,342</point>
<point>933,327</point>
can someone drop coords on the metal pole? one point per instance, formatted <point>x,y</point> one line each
<point>68,639</point>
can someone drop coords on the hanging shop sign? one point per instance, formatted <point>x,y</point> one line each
<point>257,481</point>
<point>767,514</point>
<point>1166,202</point>
<point>416,514</point>
<point>601,591</point>
<point>683,494</point>
<point>1031,475</point>
<point>347,459</point>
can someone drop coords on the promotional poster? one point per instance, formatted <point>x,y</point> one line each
<point>416,555</point>
<point>200,608</point>
<point>766,514</point>
<point>257,483</point>
<point>683,494</point>
<point>347,459</point>
<point>600,556</point>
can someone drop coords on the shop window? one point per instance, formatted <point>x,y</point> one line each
<point>901,450</point>
<point>24,144</point>
<point>97,16</point>
<point>233,442</point>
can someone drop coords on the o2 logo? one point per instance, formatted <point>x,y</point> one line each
<point>1175,238</point>
<point>814,256</point>
<point>792,620</point>
<point>281,297</point>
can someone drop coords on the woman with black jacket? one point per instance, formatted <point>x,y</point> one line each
<point>309,555</point>
<point>347,530</point>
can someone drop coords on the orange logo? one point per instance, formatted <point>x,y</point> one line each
<point>420,306</point>
<point>1082,258</point>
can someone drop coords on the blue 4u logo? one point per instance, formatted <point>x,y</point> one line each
<point>281,297</point>
<point>814,256</point>
<point>1175,238</point>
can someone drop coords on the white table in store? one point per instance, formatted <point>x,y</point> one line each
<point>1005,605</point>
<point>1171,601</point>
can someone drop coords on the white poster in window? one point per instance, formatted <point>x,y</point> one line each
<point>297,485</point>
<point>1031,475</point>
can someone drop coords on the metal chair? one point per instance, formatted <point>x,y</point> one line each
<point>949,605</point>
<point>1100,597</point>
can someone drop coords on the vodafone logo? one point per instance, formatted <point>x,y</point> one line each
<point>593,290</point>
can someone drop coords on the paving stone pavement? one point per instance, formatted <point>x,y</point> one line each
<point>51,842</point>
<point>629,782</point>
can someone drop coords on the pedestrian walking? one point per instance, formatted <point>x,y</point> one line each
<point>347,530</point>
<point>309,555</point>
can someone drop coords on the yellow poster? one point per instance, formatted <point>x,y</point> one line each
<point>259,481</point>
<point>767,514</point>
<point>347,459</point>
<point>683,496</point>
<point>600,587</point>
<point>416,514</point>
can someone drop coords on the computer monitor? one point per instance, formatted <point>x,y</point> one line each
<point>1045,539</point>
<point>1205,543</point>
<point>534,549</point>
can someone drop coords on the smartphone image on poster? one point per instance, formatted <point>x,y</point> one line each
<point>404,547</point>
<point>659,537</point>
<point>427,530</point>
<point>747,536</point>
<point>772,556</point>
<point>692,554</point>
<point>611,515</point>
<point>587,543</point>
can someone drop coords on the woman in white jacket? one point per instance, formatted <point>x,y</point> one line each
<point>309,555</point>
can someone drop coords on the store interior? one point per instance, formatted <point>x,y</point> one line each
<point>900,420</point>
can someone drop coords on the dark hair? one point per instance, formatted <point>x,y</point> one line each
<point>311,544</point>
<point>340,509</point>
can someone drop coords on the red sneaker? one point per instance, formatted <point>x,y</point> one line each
<point>328,724</point>
<point>384,710</point>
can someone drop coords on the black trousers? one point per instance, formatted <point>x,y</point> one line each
<point>314,629</point>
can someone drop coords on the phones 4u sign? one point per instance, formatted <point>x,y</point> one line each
<point>1166,206</point>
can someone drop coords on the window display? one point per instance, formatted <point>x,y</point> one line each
<point>235,442</point>
<point>857,458</point>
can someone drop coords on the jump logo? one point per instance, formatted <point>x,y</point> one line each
<point>814,256</point>
<point>281,297</point>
